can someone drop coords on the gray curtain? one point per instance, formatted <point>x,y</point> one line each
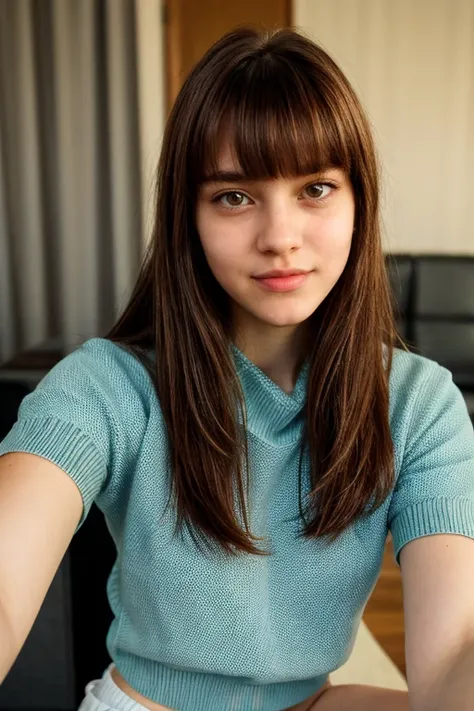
<point>71,166</point>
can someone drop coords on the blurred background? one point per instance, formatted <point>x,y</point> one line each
<point>85,89</point>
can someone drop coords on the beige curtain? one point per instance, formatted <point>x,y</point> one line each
<point>81,119</point>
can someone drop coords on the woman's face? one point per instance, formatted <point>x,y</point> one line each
<point>248,228</point>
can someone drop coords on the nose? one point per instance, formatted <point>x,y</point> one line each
<point>279,230</point>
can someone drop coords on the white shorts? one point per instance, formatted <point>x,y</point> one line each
<point>104,695</point>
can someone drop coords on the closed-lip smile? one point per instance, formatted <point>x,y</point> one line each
<point>275,273</point>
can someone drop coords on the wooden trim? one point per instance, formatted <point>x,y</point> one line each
<point>173,40</point>
<point>171,14</point>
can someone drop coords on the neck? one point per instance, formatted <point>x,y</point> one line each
<point>276,351</point>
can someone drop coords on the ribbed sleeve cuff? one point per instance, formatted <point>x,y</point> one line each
<point>432,516</point>
<point>66,446</point>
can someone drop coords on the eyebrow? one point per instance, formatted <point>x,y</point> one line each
<point>227,176</point>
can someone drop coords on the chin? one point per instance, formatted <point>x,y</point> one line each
<point>286,317</point>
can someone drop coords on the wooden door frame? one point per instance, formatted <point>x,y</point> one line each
<point>170,18</point>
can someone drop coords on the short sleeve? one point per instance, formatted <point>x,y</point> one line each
<point>434,492</point>
<point>69,419</point>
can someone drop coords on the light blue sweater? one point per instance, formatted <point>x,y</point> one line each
<point>201,633</point>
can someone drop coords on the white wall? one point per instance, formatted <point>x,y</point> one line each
<point>412,64</point>
<point>152,100</point>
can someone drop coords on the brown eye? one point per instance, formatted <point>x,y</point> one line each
<point>316,190</point>
<point>234,199</point>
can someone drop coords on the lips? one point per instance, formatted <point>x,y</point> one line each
<point>290,282</point>
<point>281,273</point>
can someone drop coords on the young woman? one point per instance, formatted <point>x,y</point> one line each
<point>248,427</point>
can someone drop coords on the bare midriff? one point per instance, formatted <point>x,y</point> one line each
<point>306,705</point>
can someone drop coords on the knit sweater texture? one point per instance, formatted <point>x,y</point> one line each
<point>201,632</point>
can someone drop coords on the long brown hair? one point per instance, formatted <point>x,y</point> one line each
<point>290,111</point>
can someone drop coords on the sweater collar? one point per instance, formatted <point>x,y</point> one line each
<point>272,414</point>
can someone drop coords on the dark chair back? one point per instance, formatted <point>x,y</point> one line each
<point>400,274</point>
<point>443,323</point>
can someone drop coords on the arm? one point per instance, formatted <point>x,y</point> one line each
<point>438,584</point>
<point>456,688</point>
<point>6,646</point>
<point>40,507</point>
<point>358,697</point>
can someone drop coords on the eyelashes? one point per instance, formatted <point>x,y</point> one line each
<point>318,200</point>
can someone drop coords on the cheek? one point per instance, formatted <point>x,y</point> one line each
<point>223,249</point>
<point>222,254</point>
<point>332,247</point>
<point>333,240</point>
<point>337,257</point>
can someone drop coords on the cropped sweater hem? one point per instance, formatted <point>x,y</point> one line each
<point>179,688</point>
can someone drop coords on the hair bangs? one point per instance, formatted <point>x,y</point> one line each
<point>276,123</point>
